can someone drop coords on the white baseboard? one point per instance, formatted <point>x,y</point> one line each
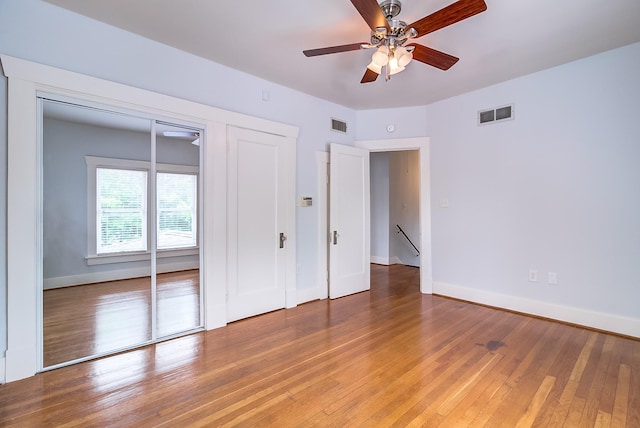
<point>584,317</point>
<point>216,316</point>
<point>114,275</point>
<point>20,362</point>
<point>395,260</point>
<point>2,371</point>
<point>380,260</point>
<point>308,294</point>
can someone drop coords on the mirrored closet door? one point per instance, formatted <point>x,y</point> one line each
<point>178,292</point>
<point>120,216</point>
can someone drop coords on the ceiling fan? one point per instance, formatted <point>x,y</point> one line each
<point>184,134</point>
<point>390,36</point>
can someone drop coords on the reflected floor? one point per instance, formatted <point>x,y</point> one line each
<point>92,319</point>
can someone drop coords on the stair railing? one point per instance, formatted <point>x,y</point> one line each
<point>400,231</point>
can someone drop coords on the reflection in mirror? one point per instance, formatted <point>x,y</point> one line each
<point>178,290</point>
<point>96,265</point>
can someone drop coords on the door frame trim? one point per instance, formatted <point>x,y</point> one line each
<point>422,145</point>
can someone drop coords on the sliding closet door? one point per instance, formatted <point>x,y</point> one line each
<point>97,270</point>
<point>121,231</point>
<point>177,223</point>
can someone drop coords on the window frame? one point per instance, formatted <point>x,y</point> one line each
<point>94,162</point>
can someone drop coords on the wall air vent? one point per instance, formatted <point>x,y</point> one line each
<point>497,114</point>
<point>338,125</point>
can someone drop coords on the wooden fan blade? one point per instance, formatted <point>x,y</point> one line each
<point>334,49</point>
<point>433,57</point>
<point>371,13</point>
<point>462,9</point>
<point>369,76</point>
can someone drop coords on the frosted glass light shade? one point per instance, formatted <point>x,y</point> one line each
<point>403,56</point>
<point>381,56</point>
<point>395,70</point>
<point>374,67</point>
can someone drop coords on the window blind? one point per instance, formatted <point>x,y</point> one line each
<point>121,199</point>
<point>176,210</point>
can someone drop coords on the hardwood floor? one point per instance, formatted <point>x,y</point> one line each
<point>91,319</point>
<point>388,357</point>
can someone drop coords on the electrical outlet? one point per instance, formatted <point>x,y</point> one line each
<point>552,278</point>
<point>533,275</point>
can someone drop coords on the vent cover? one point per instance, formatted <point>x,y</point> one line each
<point>497,114</point>
<point>338,125</point>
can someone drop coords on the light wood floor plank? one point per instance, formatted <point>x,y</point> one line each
<point>530,414</point>
<point>593,404</point>
<point>569,392</point>
<point>619,415</point>
<point>387,357</point>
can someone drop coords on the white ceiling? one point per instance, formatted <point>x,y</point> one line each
<point>266,39</point>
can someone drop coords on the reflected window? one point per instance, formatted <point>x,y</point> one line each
<point>121,210</point>
<point>118,218</point>
<point>176,210</point>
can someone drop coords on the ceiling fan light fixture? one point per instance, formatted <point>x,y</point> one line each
<point>374,67</point>
<point>391,36</point>
<point>381,56</point>
<point>394,70</point>
<point>394,66</point>
<point>403,56</point>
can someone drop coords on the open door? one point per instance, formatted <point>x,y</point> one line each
<point>349,254</point>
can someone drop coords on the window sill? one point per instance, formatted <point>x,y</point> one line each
<point>104,259</point>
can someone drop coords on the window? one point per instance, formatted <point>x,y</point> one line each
<point>118,217</point>
<point>176,211</point>
<point>121,210</point>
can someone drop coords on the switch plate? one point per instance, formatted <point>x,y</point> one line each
<point>552,278</point>
<point>306,201</point>
<point>444,203</point>
<point>533,275</point>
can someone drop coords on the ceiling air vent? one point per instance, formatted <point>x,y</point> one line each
<point>338,125</point>
<point>497,114</point>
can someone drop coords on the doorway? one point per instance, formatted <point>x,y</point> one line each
<point>395,216</point>
<point>421,144</point>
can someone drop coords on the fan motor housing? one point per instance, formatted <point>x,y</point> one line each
<point>391,8</point>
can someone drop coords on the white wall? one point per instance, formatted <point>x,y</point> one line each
<point>43,33</point>
<point>404,206</point>
<point>40,32</point>
<point>3,219</point>
<point>407,122</point>
<point>379,172</point>
<point>556,190</point>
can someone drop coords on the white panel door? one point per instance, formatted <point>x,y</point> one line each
<point>349,264</point>
<point>259,168</point>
